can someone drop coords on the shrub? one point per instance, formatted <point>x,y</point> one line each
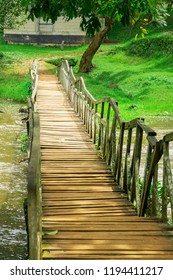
<point>57,61</point>
<point>151,46</point>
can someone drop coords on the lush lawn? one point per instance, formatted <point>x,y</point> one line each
<point>15,61</point>
<point>142,84</point>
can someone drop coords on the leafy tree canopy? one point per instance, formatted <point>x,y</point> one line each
<point>91,11</point>
<point>10,10</point>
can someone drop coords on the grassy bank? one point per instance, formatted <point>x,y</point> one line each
<point>15,61</point>
<point>137,74</point>
<point>142,85</point>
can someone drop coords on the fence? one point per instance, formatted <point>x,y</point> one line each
<point>140,164</point>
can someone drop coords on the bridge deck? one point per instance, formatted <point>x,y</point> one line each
<point>85,215</point>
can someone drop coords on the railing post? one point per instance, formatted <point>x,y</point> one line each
<point>155,201</point>
<point>118,160</point>
<point>112,152</point>
<point>95,125</point>
<point>167,182</point>
<point>135,193</point>
<point>91,121</point>
<point>156,155</point>
<point>127,170</point>
<point>106,139</point>
<point>100,134</point>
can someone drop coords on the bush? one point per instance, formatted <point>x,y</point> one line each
<point>57,61</point>
<point>1,55</point>
<point>151,46</point>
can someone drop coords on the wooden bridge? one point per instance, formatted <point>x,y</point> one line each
<point>98,187</point>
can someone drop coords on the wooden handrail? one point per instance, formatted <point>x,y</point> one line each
<point>34,201</point>
<point>34,197</point>
<point>123,146</point>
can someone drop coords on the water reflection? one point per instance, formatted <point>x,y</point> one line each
<point>13,239</point>
<point>162,125</point>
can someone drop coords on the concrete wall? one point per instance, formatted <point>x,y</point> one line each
<point>40,32</point>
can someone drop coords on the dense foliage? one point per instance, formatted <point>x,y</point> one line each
<point>10,10</point>
<point>151,47</point>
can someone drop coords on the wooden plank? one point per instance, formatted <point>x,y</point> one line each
<point>103,257</point>
<point>112,235</point>
<point>109,218</point>
<point>111,227</point>
<point>109,247</point>
<point>84,196</point>
<point>139,255</point>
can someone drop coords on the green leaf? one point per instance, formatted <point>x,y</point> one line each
<point>54,232</point>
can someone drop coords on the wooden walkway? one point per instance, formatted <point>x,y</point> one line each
<point>85,215</point>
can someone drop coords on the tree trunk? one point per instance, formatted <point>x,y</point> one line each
<point>2,19</point>
<point>2,36</point>
<point>86,60</point>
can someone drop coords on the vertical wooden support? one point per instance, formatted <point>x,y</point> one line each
<point>136,165</point>
<point>118,160</point>
<point>95,124</point>
<point>112,144</point>
<point>88,116</point>
<point>126,174</point>
<point>106,138</point>
<point>156,155</point>
<point>155,201</point>
<point>147,163</point>
<point>167,182</point>
<point>91,121</point>
<point>100,135</point>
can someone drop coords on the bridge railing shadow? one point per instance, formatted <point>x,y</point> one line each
<point>140,164</point>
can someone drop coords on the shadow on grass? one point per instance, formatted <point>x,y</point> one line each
<point>164,64</point>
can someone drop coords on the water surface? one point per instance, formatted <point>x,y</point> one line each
<point>13,238</point>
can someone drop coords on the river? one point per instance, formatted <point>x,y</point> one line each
<point>161,125</point>
<point>13,184</point>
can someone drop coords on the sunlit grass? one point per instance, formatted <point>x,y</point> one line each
<point>142,86</point>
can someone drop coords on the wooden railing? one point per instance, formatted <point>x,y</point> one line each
<point>140,164</point>
<point>34,174</point>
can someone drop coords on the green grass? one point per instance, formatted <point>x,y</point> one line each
<point>15,61</point>
<point>18,52</point>
<point>137,76</point>
<point>141,86</point>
